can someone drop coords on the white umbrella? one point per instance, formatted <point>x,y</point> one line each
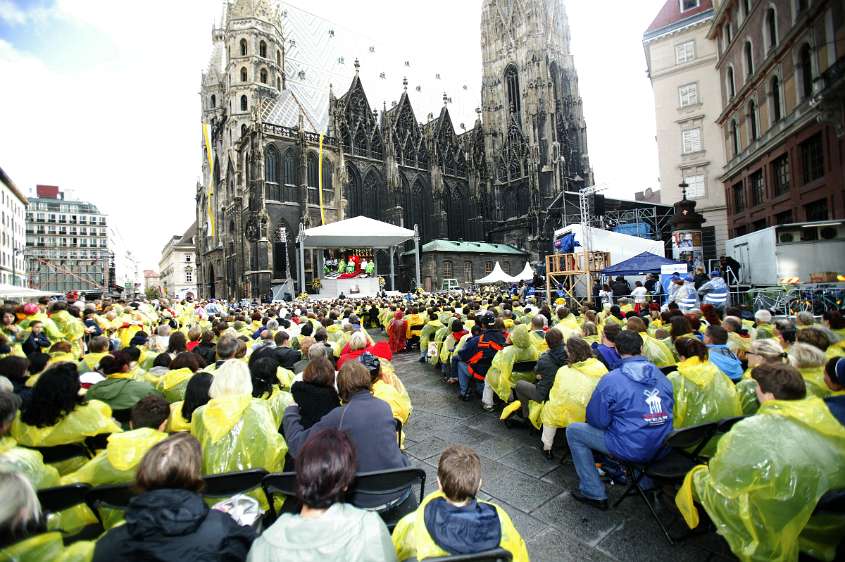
<point>496,276</point>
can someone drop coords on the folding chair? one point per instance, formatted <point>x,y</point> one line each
<point>524,367</point>
<point>283,484</point>
<point>60,453</point>
<point>726,424</point>
<point>117,496</point>
<point>495,555</point>
<point>685,447</point>
<point>60,498</point>
<point>832,502</point>
<point>233,483</point>
<point>387,482</point>
<point>122,416</point>
<point>398,424</point>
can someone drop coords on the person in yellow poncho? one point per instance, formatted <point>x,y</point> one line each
<point>72,328</point>
<point>429,531</point>
<point>28,462</point>
<point>57,415</point>
<point>173,383</point>
<point>196,395</point>
<point>23,529</point>
<point>810,360</point>
<point>237,431</point>
<point>502,377</point>
<point>656,351</point>
<point>566,322</point>
<point>768,473</point>
<point>98,348</point>
<point>415,324</point>
<point>266,386</point>
<point>399,402</point>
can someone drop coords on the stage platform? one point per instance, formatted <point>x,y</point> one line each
<point>352,288</point>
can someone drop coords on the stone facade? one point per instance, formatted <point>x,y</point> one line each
<point>177,266</point>
<point>493,182</point>
<point>681,63</point>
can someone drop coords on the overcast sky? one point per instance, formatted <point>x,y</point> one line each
<point>100,97</point>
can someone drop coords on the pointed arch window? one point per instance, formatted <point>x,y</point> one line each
<point>771,28</point>
<point>313,177</point>
<point>735,137</point>
<point>278,57</point>
<point>512,88</point>
<point>263,76</point>
<point>290,167</point>
<point>749,58</point>
<point>243,74</point>
<point>244,103</point>
<point>243,47</point>
<point>278,83</point>
<point>213,101</point>
<point>731,82</point>
<point>328,188</point>
<point>271,165</point>
<point>262,49</point>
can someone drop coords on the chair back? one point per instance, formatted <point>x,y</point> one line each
<point>726,424</point>
<point>524,366</point>
<point>283,483</point>
<point>117,496</point>
<point>694,437</point>
<point>60,453</point>
<point>122,416</point>
<point>60,498</point>
<point>398,424</point>
<point>495,555</point>
<point>233,483</point>
<point>386,482</point>
<point>831,502</point>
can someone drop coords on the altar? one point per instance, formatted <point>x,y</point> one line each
<point>357,287</point>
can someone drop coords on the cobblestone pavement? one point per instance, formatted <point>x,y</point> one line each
<point>533,490</point>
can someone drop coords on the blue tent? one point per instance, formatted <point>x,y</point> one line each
<point>639,265</point>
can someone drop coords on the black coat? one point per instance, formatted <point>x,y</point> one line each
<point>315,401</point>
<point>207,352</point>
<point>620,288</point>
<point>547,366</point>
<point>165,525</point>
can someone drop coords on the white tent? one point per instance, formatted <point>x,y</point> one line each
<point>357,232</point>
<point>527,273</point>
<point>496,276</point>
<point>12,292</point>
<point>620,246</point>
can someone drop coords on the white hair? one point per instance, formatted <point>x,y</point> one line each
<point>232,378</point>
<point>763,315</point>
<point>805,356</point>
<point>20,503</point>
<point>272,325</point>
<point>358,340</point>
<point>6,385</point>
<point>805,318</point>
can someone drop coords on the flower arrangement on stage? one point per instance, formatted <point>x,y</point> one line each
<point>316,284</point>
<point>303,296</point>
<point>381,282</point>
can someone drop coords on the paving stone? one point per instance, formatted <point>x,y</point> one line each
<point>590,524</point>
<point>426,448</point>
<point>639,538</point>
<point>530,460</point>
<point>554,545</point>
<point>522,491</point>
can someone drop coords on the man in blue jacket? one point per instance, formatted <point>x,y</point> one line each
<point>628,417</point>
<point>477,354</point>
<point>716,340</point>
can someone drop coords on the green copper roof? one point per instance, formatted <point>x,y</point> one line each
<point>454,246</point>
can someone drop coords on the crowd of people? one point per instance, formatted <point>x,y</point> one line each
<point>160,394</point>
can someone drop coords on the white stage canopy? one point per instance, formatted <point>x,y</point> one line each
<point>527,273</point>
<point>496,276</point>
<point>12,292</point>
<point>358,232</point>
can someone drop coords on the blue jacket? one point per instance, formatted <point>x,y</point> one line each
<point>633,404</point>
<point>727,362</point>
<point>607,355</point>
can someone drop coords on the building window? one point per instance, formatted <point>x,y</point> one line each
<point>512,85</point>
<point>243,108</point>
<point>812,158</point>
<point>262,50</point>
<point>780,175</point>
<point>263,76</point>
<point>688,95</point>
<point>243,74</point>
<point>729,34</point>
<point>784,218</point>
<point>695,186</point>
<point>488,267</point>
<point>188,258</point>
<point>749,58</point>
<point>448,270</point>
<point>816,211</point>
<point>800,7</point>
<point>271,165</point>
<point>771,29</point>
<point>758,188</point>
<point>243,47</point>
<point>759,225</point>
<point>731,84</point>
<point>685,52</point>
<point>468,272</point>
<point>689,5</point>
<point>189,276</point>
<point>735,136</point>
<point>279,58</point>
<point>691,139</point>
<point>213,101</point>
<point>805,67</point>
<point>775,99</point>
<point>752,120</point>
<point>313,171</point>
<point>290,167</point>
<point>739,197</point>
<point>328,188</point>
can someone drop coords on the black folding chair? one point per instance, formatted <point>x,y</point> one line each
<point>495,555</point>
<point>685,447</point>
<point>832,502</point>
<point>97,442</point>
<point>398,424</point>
<point>283,484</point>
<point>726,424</point>
<point>60,453</point>
<point>389,482</point>
<point>524,367</point>
<point>122,416</point>
<point>117,496</point>
<point>233,483</point>
<point>60,498</point>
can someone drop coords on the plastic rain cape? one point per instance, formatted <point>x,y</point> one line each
<point>439,337</point>
<point>814,379</point>
<point>48,546</point>
<point>657,351</point>
<point>412,540</point>
<point>117,463</point>
<point>172,384</point>
<point>501,377</point>
<point>571,392</point>
<point>703,394</point>
<point>428,332</point>
<point>768,473</point>
<point>28,462</point>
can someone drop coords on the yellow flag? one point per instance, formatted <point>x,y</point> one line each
<point>206,135</point>
<point>320,182</point>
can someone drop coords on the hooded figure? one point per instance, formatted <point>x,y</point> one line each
<point>397,332</point>
<point>501,377</point>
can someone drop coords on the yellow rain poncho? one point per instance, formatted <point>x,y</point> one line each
<point>278,401</point>
<point>388,375</point>
<point>90,361</point>
<point>51,330</point>
<point>27,462</point>
<point>116,464</point>
<point>428,332</point>
<point>172,384</point>
<point>238,433</point>
<point>400,404</point>
<point>835,350</point>
<point>538,340</point>
<point>285,377</point>
<point>746,391</point>
<point>657,351</point>
<point>73,330</point>
<point>447,348</point>
<point>568,326</point>
<point>569,396</point>
<point>439,337</point>
<point>48,546</point>
<point>501,377</point>
<point>703,393</point>
<point>175,422</point>
<point>87,420</point>
<point>415,325</point>
<point>765,479</point>
<point>814,379</point>
<point>412,540</point>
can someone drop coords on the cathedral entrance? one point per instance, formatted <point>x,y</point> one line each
<point>211,286</point>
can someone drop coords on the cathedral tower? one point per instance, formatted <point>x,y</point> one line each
<point>535,134</point>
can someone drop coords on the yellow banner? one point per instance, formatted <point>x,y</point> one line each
<point>206,135</point>
<point>320,182</point>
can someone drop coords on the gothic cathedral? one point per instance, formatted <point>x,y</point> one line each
<point>268,131</point>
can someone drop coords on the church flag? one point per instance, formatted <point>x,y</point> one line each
<point>206,135</point>
<point>320,182</point>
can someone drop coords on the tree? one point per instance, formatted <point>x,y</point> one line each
<point>152,293</point>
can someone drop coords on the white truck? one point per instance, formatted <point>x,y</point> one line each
<point>780,254</point>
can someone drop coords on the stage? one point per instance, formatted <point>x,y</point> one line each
<point>356,287</point>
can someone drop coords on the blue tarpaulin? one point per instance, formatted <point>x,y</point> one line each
<point>639,265</point>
